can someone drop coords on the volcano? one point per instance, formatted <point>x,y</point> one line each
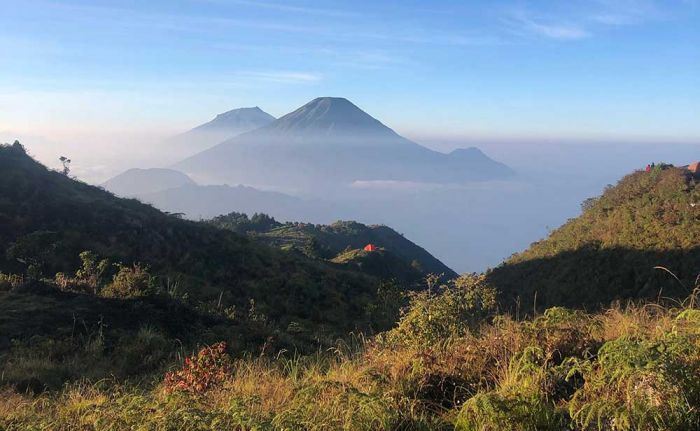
<point>329,142</point>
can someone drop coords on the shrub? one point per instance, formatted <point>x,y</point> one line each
<point>10,281</point>
<point>456,310</point>
<point>201,372</point>
<point>89,278</point>
<point>563,333</point>
<point>640,384</point>
<point>331,405</point>
<point>92,270</point>
<point>130,282</point>
<point>143,352</point>
<point>523,401</point>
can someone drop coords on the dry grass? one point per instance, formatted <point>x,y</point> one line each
<point>561,369</point>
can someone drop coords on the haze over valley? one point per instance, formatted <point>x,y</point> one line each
<point>295,169</point>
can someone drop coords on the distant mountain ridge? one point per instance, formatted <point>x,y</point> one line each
<point>333,241</point>
<point>174,192</point>
<point>330,141</point>
<point>135,182</point>
<point>237,121</point>
<point>203,202</point>
<point>224,126</point>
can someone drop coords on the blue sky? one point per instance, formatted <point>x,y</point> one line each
<point>595,69</point>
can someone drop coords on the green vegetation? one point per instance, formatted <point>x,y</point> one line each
<point>382,264</point>
<point>67,247</point>
<point>116,316</point>
<point>609,253</point>
<point>624,369</point>
<point>333,242</point>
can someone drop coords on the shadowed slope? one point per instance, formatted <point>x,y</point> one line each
<point>607,253</point>
<point>47,219</point>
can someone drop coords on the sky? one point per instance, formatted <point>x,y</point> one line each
<point>106,71</point>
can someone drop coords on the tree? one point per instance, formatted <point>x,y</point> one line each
<point>65,161</point>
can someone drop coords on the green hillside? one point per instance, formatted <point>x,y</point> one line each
<point>330,241</point>
<point>609,252</point>
<point>221,331</point>
<point>47,219</point>
<point>382,264</point>
<point>451,363</point>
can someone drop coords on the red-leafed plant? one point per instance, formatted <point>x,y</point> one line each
<point>201,372</point>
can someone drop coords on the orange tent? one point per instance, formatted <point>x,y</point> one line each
<point>371,247</point>
<point>694,167</point>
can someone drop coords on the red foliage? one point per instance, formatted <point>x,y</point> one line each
<point>201,372</point>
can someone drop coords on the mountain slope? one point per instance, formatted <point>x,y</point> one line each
<point>328,116</point>
<point>326,143</point>
<point>222,127</point>
<point>134,182</point>
<point>331,241</point>
<point>47,219</point>
<point>202,202</point>
<point>237,121</point>
<point>609,252</point>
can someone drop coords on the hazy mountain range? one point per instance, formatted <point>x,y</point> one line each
<point>138,182</point>
<point>326,145</point>
<point>202,202</point>
<point>331,142</point>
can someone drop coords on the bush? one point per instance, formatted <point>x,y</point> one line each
<point>10,281</point>
<point>563,333</point>
<point>92,270</point>
<point>130,282</point>
<point>144,352</point>
<point>333,405</point>
<point>640,384</point>
<point>458,309</point>
<point>524,401</point>
<point>89,278</point>
<point>201,372</point>
<point>493,411</point>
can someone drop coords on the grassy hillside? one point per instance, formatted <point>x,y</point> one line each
<point>329,241</point>
<point>102,347</point>
<point>382,264</point>
<point>450,364</point>
<point>47,219</point>
<point>609,252</point>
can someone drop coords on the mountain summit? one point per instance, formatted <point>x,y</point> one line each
<point>237,121</point>
<point>224,126</point>
<point>328,116</point>
<point>330,142</point>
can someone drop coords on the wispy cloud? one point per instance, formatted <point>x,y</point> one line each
<point>626,12</point>
<point>280,76</point>
<point>130,18</point>
<point>557,30</point>
<point>286,7</point>
<point>550,27</point>
<point>583,19</point>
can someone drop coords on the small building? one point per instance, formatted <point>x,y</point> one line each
<point>371,247</point>
<point>694,167</point>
